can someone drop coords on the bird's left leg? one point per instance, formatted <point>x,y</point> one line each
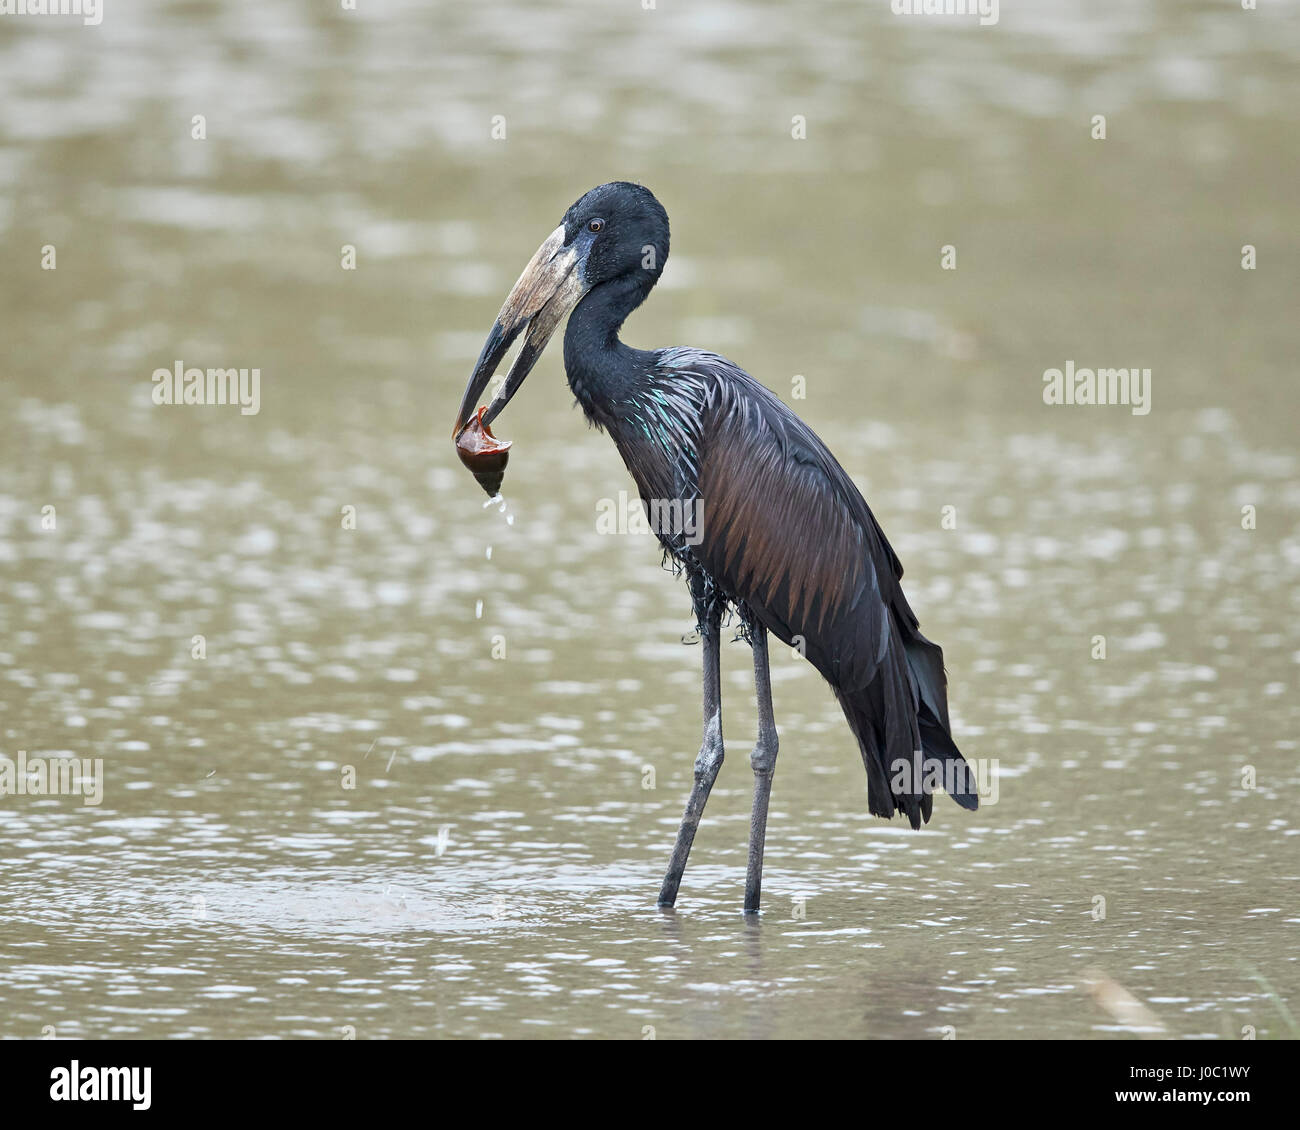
<point>763,761</point>
<point>709,760</point>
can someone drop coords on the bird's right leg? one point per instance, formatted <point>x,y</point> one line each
<point>763,760</point>
<point>709,760</point>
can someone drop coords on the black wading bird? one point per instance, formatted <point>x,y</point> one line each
<point>781,534</point>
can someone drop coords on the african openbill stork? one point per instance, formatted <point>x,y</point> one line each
<point>780,533</point>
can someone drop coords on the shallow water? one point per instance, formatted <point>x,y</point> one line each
<point>494,870</point>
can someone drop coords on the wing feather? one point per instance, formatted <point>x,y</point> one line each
<point>784,529</point>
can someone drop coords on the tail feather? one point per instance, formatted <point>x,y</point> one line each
<point>900,720</point>
<point>958,777</point>
<point>925,661</point>
<point>883,717</point>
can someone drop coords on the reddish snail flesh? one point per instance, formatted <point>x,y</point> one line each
<point>484,454</point>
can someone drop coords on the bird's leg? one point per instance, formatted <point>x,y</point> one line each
<point>763,760</point>
<point>707,763</point>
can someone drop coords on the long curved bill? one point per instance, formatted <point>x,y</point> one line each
<point>548,289</point>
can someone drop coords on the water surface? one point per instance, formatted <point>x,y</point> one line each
<point>494,869</point>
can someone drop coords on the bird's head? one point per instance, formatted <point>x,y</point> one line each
<point>615,234</point>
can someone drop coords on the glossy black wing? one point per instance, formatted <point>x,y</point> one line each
<point>785,530</point>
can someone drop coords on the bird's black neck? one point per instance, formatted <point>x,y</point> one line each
<point>602,371</point>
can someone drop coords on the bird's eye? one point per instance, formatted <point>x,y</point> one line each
<point>595,225</point>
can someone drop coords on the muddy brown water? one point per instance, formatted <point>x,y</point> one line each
<point>520,764</point>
